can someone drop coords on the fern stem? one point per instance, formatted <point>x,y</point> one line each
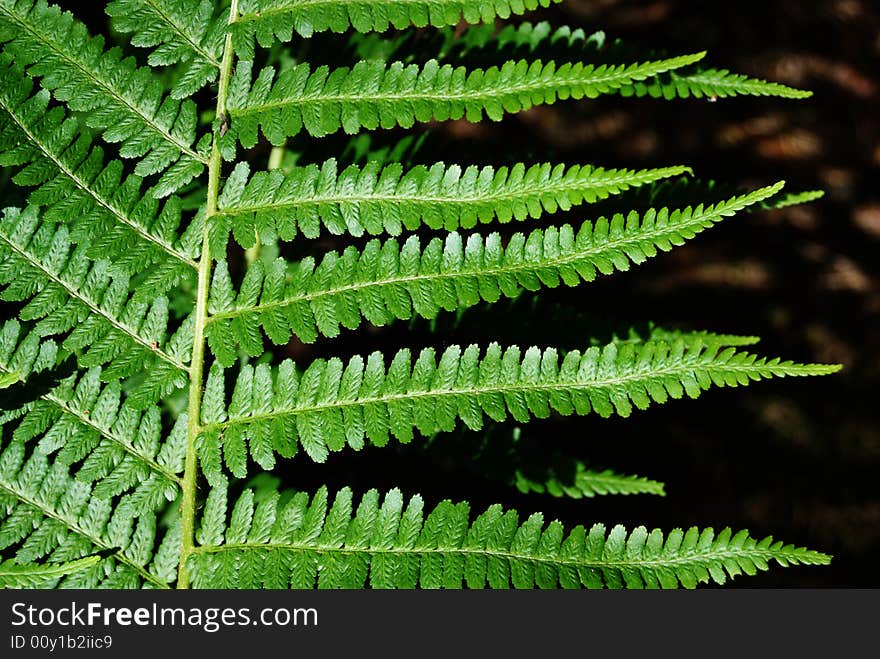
<point>197,363</point>
<point>573,562</point>
<point>623,177</point>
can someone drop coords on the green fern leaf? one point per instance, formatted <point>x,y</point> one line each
<point>15,575</point>
<point>795,198</point>
<point>695,190</point>
<point>75,187</point>
<point>118,448</point>
<point>385,282</point>
<point>374,94</point>
<point>69,292</point>
<point>116,274</point>
<point>120,99</point>
<point>510,456</point>
<point>671,335</point>
<point>390,543</point>
<point>376,199</point>
<point>268,20</point>
<point>179,32</point>
<point>709,83</point>
<point>331,405</point>
<point>55,519</point>
<point>569,45</point>
<point>20,357</point>
<point>587,483</point>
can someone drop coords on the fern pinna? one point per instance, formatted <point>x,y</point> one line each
<point>142,365</point>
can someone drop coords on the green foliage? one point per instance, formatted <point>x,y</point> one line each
<point>573,45</point>
<point>53,518</point>
<point>117,447</point>
<point>69,294</point>
<point>394,543</point>
<point>375,94</point>
<point>134,365</point>
<point>588,483</point>
<point>376,199</point>
<point>178,33</point>
<point>267,20</point>
<point>14,575</point>
<point>331,404</point>
<point>522,461</point>
<point>105,209</point>
<point>122,100</point>
<point>385,282</point>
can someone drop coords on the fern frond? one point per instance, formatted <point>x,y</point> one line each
<point>586,482</point>
<point>21,356</point>
<point>562,42</point>
<point>385,282</point>
<point>118,448</point>
<point>69,293</point>
<point>709,83</point>
<point>795,199</point>
<point>393,543</point>
<point>16,575</point>
<point>374,199</point>
<point>567,44</point>
<point>74,186</point>
<point>332,405</point>
<point>695,190</point>
<point>559,324</point>
<point>374,93</point>
<point>179,33</point>
<point>671,335</point>
<point>52,518</point>
<point>524,461</point>
<point>121,100</point>
<point>268,20</point>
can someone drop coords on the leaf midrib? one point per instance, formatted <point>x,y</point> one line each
<point>694,558</point>
<point>528,190</point>
<point>157,7</point>
<point>759,367</point>
<point>309,4</point>
<point>615,73</point>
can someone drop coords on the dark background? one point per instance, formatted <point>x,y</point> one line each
<point>795,458</point>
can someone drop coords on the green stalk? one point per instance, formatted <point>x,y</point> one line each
<point>197,363</point>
